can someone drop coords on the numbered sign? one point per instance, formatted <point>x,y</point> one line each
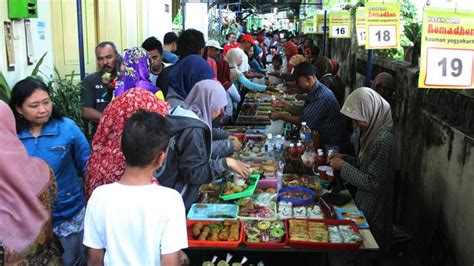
<point>340,31</point>
<point>382,25</point>
<point>382,36</point>
<point>339,24</point>
<point>320,23</point>
<point>447,53</point>
<point>360,26</point>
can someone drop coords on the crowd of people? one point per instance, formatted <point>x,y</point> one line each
<point>156,112</point>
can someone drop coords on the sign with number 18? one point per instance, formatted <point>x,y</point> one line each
<point>382,25</point>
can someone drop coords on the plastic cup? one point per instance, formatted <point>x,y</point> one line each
<point>238,180</point>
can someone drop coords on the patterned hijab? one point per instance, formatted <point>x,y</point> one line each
<point>22,178</point>
<point>137,72</point>
<point>206,97</point>
<point>187,72</point>
<point>107,163</point>
<point>365,104</point>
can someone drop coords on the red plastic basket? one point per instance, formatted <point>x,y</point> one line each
<point>268,244</point>
<point>212,244</point>
<point>325,246</point>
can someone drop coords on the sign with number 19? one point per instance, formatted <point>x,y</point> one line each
<point>447,50</point>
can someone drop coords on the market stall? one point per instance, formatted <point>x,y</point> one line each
<point>281,207</point>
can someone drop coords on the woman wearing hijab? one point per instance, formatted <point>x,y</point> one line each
<point>136,73</point>
<point>27,195</point>
<point>184,75</point>
<point>384,85</point>
<point>253,56</point>
<point>290,50</point>
<point>325,76</point>
<point>188,163</point>
<point>234,58</point>
<point>233,96</point>
<point>371,170</point>
<point>107,164</point>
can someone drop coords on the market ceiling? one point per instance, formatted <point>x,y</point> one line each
<point>262,6</point>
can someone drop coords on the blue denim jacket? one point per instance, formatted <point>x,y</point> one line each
<point>65,148</point>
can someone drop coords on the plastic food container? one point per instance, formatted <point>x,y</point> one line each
<point>214,212</point>
<point>326,246</point>
<point>253,180</point>
<point>281,244</point>
<point>312,193</point>
<point>212,244</point>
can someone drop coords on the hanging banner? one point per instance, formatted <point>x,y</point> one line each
<point>320,23</point>
<point>360,26</point>
<point>339,24</point>
<point>447,49</point>
<point>309,26</point>
<point>383,25</point>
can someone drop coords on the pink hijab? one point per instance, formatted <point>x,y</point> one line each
<point>22,214</point>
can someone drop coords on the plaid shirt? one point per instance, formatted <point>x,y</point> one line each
<point>321,112</point>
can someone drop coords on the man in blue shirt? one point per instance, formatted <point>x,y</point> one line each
<point>170,44</point>
<point>320,111</point>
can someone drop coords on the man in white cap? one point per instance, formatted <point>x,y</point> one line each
<point>211,52</point>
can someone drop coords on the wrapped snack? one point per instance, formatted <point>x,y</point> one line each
<point>285,210</point>
<point>299,212</point>
<point>314,212</point>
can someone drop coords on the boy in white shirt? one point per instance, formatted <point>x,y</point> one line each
<point>135,221</point>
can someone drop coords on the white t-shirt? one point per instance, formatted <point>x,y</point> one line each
<point>135,224</point>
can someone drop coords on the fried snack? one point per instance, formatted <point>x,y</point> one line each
<point>213,237</point>
<point>206,229</point>
<point>271,190</point>
<point>258,191</point>
<point>223,236</point>
<point>203,236</point>
<point>198,225</point>
<point>196,232</point>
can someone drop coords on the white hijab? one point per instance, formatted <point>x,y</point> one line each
<point>365,104</point>
<point>232,57</point>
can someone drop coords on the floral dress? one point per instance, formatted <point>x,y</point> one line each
<point>46,250</point>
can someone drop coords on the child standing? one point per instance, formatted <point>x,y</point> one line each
<point>135,221</point>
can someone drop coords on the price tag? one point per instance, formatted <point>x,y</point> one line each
<point>382,25</point>
<point>447,50</point>
<point>382,36</point>
<point>339,24</point>
<point>340,31</point>
<point>360,26</point>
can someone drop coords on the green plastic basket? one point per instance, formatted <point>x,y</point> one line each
<point>253,180</point>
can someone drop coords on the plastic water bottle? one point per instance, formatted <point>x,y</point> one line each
<point>278,143</point>
<point>269,144</point>
<point>306,136</point>
<point>279,174</point>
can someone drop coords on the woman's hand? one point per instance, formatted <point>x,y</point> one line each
<point>336,163</point>
<point>239,167</point>
<point>236,143</point>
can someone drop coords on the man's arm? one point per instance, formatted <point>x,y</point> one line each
<point>171,259</point>
<point>95,257</point>
<point>294,119</point>
<point>294,110</point>
<point>91,114</point>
